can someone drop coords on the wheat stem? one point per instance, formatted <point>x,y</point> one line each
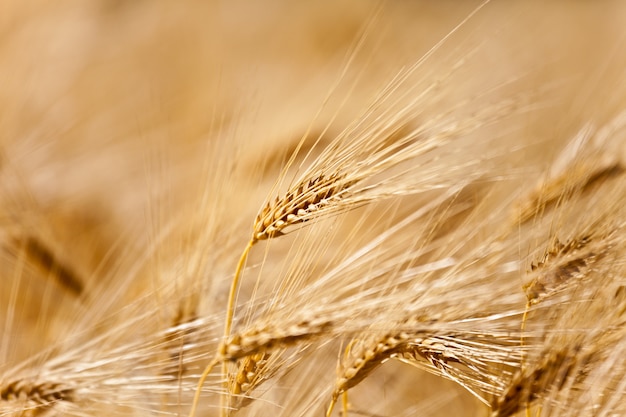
<point>227,328</point>
<point>331,406</point>
<point>230,309</point>
<point>203,377</point>
<point>344,404</point>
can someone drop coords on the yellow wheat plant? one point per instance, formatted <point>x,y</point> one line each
<point>354,208</point>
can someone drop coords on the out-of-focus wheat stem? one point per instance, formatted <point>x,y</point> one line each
<point>232,295</point>
<point>230,310</point>
<point>203,377</point>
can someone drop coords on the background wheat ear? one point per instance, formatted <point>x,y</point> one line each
<point>529,384</point>
<point>36,396</point>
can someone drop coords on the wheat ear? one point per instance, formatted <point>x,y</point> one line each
<point>42,393</point>
<point>44,258</point>
<point>255,341</point>
<point>564,269</point>
<point>255,369</point>
<point>583,165</point>
<point>247,376</point>
<point>371,353</point>
<point>528,385</point>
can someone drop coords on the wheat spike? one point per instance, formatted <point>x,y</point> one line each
<point>477,362</point>
<point>299,205</point>
<point>41,255</point>
<point>564,265</point>
<point>40,393</point>
<point>551,373</point>
<point>367,358</point>
<point>247,377</point>
<point>255,340</point>
<point>584,165</point>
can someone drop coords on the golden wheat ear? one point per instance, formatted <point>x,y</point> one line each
<point>358,366</point>
<point>248,375</point>
<point>529,385</point>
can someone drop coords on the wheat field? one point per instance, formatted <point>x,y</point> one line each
<point>349,208</point>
